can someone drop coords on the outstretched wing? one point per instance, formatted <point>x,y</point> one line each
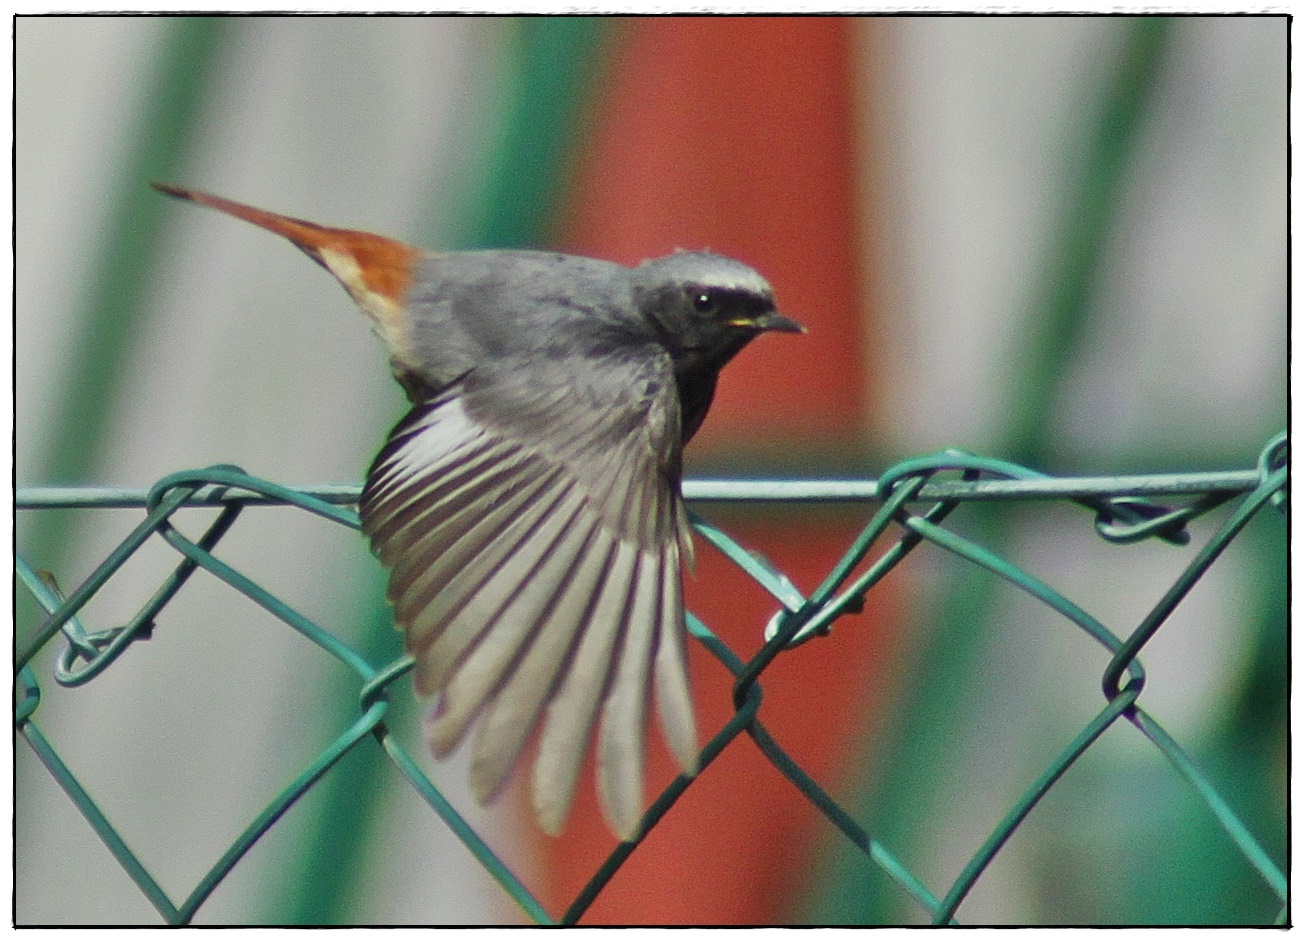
<point>534,532</point>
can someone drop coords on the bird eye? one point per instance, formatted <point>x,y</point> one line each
<point>704,302</point>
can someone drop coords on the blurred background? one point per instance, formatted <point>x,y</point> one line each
<point>1056,240</point>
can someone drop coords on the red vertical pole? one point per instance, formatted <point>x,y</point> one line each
<point>737,134</point>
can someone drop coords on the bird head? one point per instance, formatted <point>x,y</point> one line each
<point>706,307</point>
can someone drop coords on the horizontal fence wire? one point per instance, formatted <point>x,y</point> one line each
<point>913,500</point>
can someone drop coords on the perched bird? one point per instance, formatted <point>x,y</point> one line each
<point>528,507</point>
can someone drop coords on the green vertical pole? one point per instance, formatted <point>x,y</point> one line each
<point>559,61</point>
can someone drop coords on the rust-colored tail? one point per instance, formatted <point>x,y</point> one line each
<point>363,262</point>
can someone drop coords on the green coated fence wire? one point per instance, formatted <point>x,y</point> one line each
<point>914,499</point>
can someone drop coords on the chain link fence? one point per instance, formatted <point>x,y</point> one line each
<point>914,500</point>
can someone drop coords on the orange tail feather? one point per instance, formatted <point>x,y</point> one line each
<point>383,266</point>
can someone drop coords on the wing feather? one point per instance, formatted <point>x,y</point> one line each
<point>515,707</point>
<point>431,435</point>
<point>624,713</point>
<point>437,556</point>
<point>534,532</point>
<point>573,708</point>
<point>674,700</point>
<point>474,596</point>
<point>529,581</point>
<point>438,493</point>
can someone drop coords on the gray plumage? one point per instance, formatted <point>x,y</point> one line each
<point>528,507</point>
<point>530,504</point>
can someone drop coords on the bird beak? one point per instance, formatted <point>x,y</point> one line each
<point>775,321</point>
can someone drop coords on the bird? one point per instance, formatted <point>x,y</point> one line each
<point>529,507</point>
